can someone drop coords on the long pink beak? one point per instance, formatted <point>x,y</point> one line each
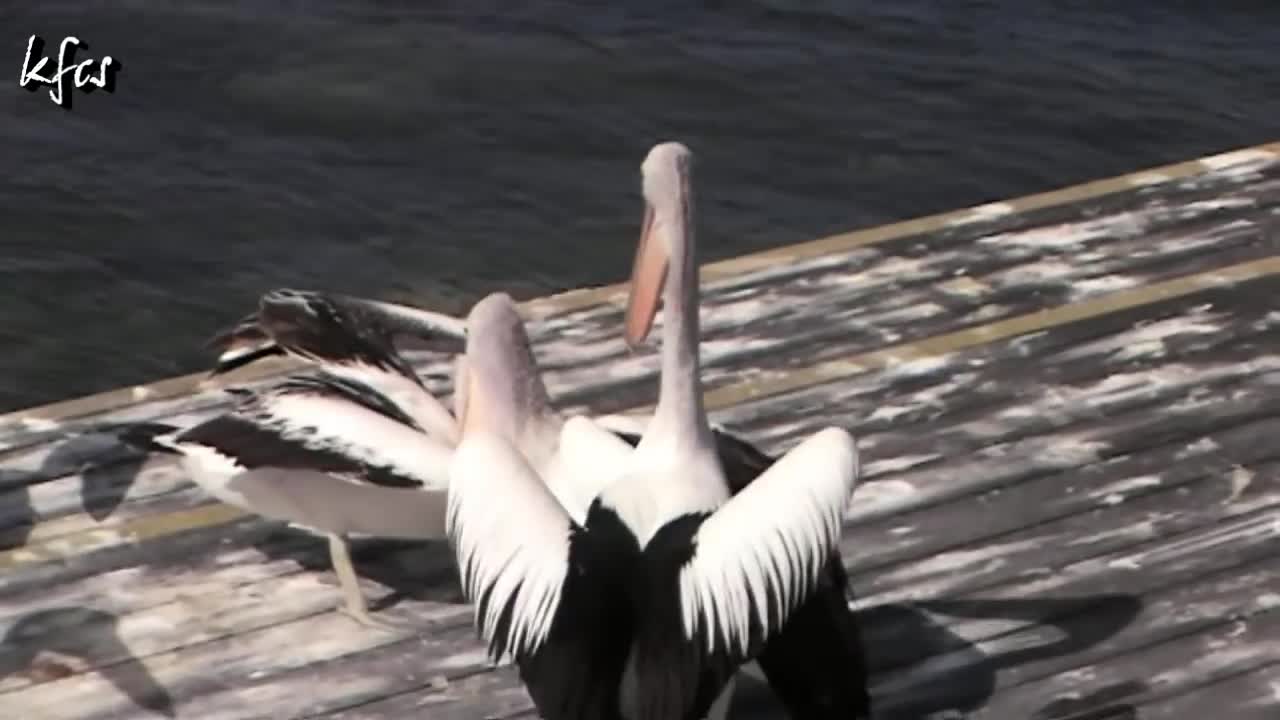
<point>648,276</point>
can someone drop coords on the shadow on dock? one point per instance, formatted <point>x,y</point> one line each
<point>420,570</point>
<point>59,642</point>
<point>921,670</point>
<point>107,471</point>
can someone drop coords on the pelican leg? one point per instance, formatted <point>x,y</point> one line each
<point>354,605</point>
<point>720,708</point>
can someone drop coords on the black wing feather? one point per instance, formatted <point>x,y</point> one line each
<point>323,384</point>
<point>252,436</point>
<point>312,326</point>
<point>576,673</point>
<point>253,447</point>
<point>326,329</point>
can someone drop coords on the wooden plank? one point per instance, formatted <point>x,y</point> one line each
<point>188,620</point>
<point>1145,566</point>
<point>823,324</point>
<point>134,587</point>
<point>999,464</point>
<point>1001,251</point>
<point>97,493</point>
<point>1222,467</point>
<point>156,540</point>
<point>983,472</point>
<point>968,669</point>
<point>895,316</point>
<point>266,593</point>
<point>1272,550</point>
<point>110,477</point>
<point>1041,638</point>
<point>1167,615</point>
<point>105,475</point>
<point>1028,553</point>
<point>1211,172</point>
<point>1165,670</point>
<point>433,662</point>
<point>1247,196</point>
<point>1249,695</point>
<point>1214,325</point>
<point>1022,383</point>
<point>1086,402</point>
<point>233,663</point>
<point>481,695</point>
<point>982,469</point>
<point>941,345</point>
<point>1132,460</point>
<point>361,662</point>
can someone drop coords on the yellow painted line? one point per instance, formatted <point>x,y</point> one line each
<point>144,528</point>
<point>133,531</point>
<point>846,242</point>
<point>586,297</point>
<point>167,389</point>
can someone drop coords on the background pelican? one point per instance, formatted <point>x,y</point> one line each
<point>330,451</point>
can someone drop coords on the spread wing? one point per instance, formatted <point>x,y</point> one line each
<point>328,424</point>
<point>761,555</point>
<point>511,539</point>
<point>545,590</point>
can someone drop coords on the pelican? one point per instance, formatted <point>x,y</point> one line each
<point>337,326</point>
<point>330,452</point>
<point>815,664</point>
<point>566,452</point>
<point>645,607</point>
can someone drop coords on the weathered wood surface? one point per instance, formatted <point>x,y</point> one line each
<point>1068,417</point>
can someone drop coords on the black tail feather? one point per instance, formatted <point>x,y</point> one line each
<point>142,436</point>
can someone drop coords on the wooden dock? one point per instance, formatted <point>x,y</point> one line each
<point>1068,407</point>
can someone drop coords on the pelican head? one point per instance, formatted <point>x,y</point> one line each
<point>497,387</point>
<point>664,234</point>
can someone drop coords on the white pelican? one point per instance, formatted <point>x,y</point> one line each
<point>815,663</point>
<point>566,452</point>
<point>329,452</point>
<point>646,607</point>
<point>329,330</point>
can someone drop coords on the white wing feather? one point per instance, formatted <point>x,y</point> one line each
<point>511,541</point>
<point>416,400</point>
<point>359,433</point>
<point>588,460</point>
<point>768,544</point>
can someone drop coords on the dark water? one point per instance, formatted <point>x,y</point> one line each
<point>435,154</point>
